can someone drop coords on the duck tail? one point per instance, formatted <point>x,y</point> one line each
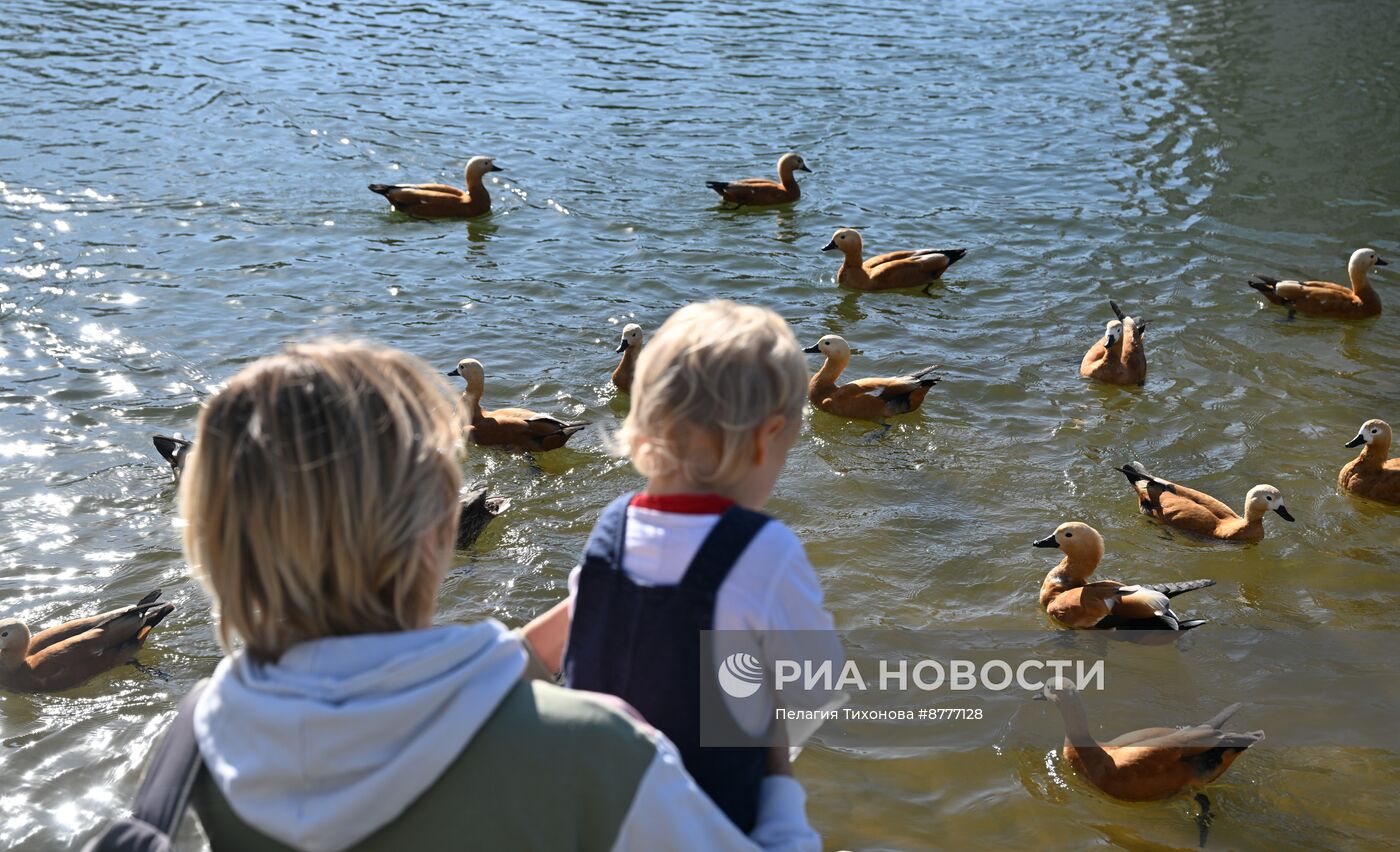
<point>1171,590</point>
<point>953,255</point>
<point>150,598</point>
<point>1135,472</point>
<point>383,188</point>
<point>152,618</point>
<point>169,448</point>
<point>1219,719</point>
<point>568,429</point>
<point>718,185</point>
<point>1193,623</point>
<point>1263,283</point>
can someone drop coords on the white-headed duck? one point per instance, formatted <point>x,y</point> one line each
<point>863,399</point>
<point>1199,513</point>
<point>760,191</point>
<point>894,270</point>
<point>1120,358</point>
<point>1325,299</point>
<point>440,200</point>
<point>1371,474</point>
<point>513,428</point>
<point>66,655</point>
<point>1069,598</point>
<point>631,349</point>
<point>1150,763</point>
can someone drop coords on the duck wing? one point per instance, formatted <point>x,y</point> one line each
<point>68,629</point>
<point>477,511</point>
<point>751,191</point>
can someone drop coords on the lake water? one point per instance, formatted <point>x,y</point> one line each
<point>183,190</point>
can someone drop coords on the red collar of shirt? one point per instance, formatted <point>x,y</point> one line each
<point>683,504</point>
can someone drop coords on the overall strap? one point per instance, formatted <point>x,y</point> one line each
<point>165,791</point>
<point>607,541</point>
<point>730,537</point>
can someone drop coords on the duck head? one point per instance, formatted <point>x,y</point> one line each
<point>1363,260</point>
<point>1372,432</point>
<point>1055,690</point>
<point>478,166</point>
<point>14,642</point>
<point>471,370</point>
<point>1081,544</point>
<point>846,239</point>
<point>833,346</point>
<point>1262,498</point>
<point>790,162</point>
<point>1112,333</point>
<point>631,337</point>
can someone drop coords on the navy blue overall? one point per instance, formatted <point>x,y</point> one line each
<point>642,644</point>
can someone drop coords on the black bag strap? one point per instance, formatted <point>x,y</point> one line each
<point>721,549</point>
<point>165,791</point>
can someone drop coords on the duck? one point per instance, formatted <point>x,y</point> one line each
<point>1325,299</point>
<point>174,449</point>
<point>478,510</point>
<point>863,399</point>
<point>477,507</point>
<point>518,429</point>
<point>760,191</point>
<point>69,654</point>
<point>631,349</point>
<point>1069,598</point>
<point>1199,513</point>
<point>1371,474</point>
<point>894,270</point>
<point>1149,764</point>
<point>440,200</point>
<point>1120,358</point>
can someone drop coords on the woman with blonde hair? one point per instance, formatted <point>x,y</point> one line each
<point>320,505</point>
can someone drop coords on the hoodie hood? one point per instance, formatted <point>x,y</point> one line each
<point>334,740</point>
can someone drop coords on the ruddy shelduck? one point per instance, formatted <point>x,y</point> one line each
<point>71,653</point>
<point>631,349</point>
<point>1199,513</point>
<point>440,200</point>
<point>1151,763</point>
<point>1120,358</point>
<point>760,191</point>
<point>513,428</point>
<point>863,399</point>
<point>1325,299</point>
<point>1071,599</point>
<point>1371,474</point>
<point>896,270</point>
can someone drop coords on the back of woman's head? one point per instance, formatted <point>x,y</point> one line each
<point>321,495</point>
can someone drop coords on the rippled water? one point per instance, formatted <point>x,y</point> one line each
<point>182,189</point>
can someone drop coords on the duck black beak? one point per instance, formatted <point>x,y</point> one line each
<point>1382,262</point>
<point>1283,513</point>
<point>1038,695</point>
<point>816,348</point>
<point>1048,541</point>
<point>622,347</point>
<point>495,168</point>
<point>454,372</point>
<point>829,246</point>
<point>803,168</point>
<point>1357,441</point>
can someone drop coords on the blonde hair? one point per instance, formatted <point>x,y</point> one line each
<point>320,498</point>
<point>714,372</point>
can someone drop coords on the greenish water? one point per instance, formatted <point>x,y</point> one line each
<point>184,190</point>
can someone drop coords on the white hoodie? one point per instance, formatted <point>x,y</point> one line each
<point>334,740</point>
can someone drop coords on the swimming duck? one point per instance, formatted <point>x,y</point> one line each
<point>1199,513</point>
<point>514,428</point>
<point>631,348</point>
<point>891,271</point>
<point>1150,763</point>
<point>1120,358</point>
<point>440,200</point>
<point>477,507</point>
<point>1325,299</point>
<point>68,654</point>
<point>477,511</point>
<point>1371,474</point>
<point>173,449</point>
<point>1069,597</point>
<point>761,191</point>
<point>863,399</point>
